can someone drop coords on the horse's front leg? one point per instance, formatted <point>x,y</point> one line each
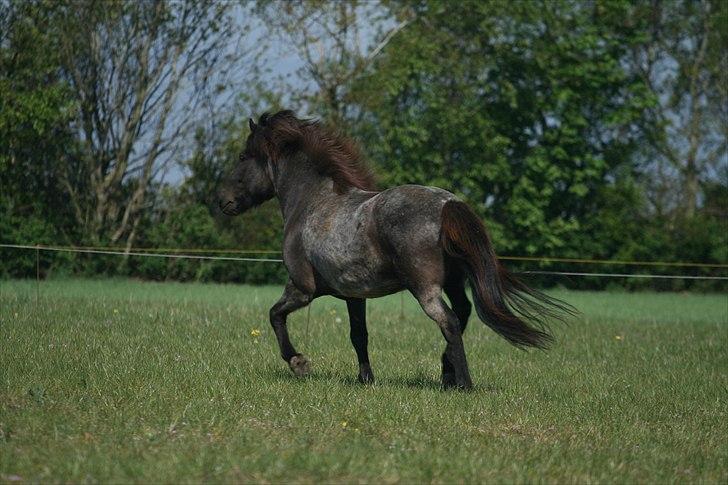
<point>291,300</point>
<point>359,337</point>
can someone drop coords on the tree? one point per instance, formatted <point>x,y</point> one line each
<point>522,108</point>
<point>35,141</point>
<point>138,72</point>
<point>683,62</point>
<point>336,43</point>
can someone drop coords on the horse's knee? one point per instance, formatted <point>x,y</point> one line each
<point>275,316</point>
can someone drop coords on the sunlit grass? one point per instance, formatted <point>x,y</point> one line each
<point>122,380</point>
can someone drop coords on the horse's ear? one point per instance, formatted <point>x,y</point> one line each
<point>252,125</point>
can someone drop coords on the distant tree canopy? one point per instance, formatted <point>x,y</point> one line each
<point>522,109</point>
<point>576,129</point>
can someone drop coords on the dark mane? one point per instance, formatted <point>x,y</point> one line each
<point>335,155</point>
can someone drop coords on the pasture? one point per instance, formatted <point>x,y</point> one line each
<point>115,380</point>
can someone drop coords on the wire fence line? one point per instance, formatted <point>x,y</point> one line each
<point>544,259</point>
<point>177,250</point>
<point>614,261</point>
<point>626,275</point>
<point>135,253</point>
<point>114,252</point>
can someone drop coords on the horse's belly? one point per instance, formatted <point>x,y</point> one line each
<point>341,245</point>
<point>365,282</point>
<point>356,277</point>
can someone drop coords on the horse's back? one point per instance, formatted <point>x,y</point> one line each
<point>410,214</point>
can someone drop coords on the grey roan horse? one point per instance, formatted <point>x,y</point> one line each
<point>344,238</point>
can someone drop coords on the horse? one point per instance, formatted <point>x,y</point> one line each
<point>345,238</point>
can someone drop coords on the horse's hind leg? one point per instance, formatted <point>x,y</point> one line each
<point>359,337</point>
<point>291,300</point>
<point>455,291</point>
<point>432,303</point>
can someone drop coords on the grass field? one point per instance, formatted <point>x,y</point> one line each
<point>144,382</point>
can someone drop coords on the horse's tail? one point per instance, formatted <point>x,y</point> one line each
<point>503,302</point>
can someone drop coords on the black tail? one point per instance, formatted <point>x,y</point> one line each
<point>503,302</point>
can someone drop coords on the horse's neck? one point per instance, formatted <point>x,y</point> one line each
<point>300,186</point>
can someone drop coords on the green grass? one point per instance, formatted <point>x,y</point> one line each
<point>144,382</point>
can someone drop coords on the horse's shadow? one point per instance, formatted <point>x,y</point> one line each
<point>418,381</point>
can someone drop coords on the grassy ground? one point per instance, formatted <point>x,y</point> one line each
<point>129,381</point>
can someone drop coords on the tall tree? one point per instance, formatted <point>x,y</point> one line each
<point>138,71</point>
<point>335,43</point>
<point>683,61</point>
<point>523,108</point>
<point>35,110</point>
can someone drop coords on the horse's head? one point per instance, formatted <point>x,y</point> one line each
<point>249,183</point>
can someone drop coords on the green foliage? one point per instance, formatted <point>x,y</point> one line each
<point>553,119</point>
<point>533,113</point>
<point>34,137</point>
<point>523,109</point>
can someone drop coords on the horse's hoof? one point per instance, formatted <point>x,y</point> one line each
<point>366,376</point>
<point>450,382</point>
<point>299,365</point>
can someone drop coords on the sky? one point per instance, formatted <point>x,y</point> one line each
<point>280,61</point>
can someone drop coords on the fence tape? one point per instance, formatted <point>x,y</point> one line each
<point>89,250</point>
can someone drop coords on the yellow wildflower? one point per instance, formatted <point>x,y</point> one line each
<point>255,333</point>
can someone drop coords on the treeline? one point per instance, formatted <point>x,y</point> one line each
<point>591,130</point>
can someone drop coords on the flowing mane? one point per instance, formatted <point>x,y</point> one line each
<point>333,154</point>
